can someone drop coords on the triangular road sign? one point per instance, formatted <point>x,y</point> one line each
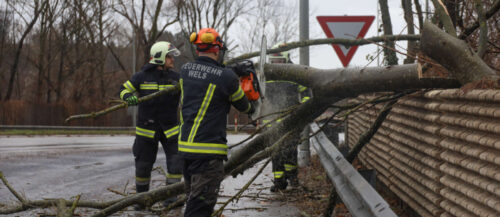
<point>350,27</point>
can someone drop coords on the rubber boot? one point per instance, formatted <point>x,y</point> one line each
<point>172,199</point>
<point>140,189</point>
<point>279,184</point>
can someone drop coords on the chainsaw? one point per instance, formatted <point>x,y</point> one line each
<point>252,81</point>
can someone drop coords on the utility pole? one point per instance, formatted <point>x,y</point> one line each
<point>304,155</point>
<point>132,110</point>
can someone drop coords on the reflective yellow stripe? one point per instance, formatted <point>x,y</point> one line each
<point>148,86</point>
<point>181,84</point>
<point>163,87</point>
<point>144,132</point>
<point>304,99</point>
<point>172,132</point>
<point>174,176</point>
<point>203,148</point>
<point>142,180</point>
<point>278,174</point>
<point>124,91</point>
<point>237,95</point>
<point>302,88</point>
<point>290,167</point>
<point>266,122</point>
<point>201,111</point>
<point>129,86</point>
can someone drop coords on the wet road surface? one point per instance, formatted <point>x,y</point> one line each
<point>66,166</point>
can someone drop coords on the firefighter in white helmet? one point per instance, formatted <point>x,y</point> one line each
<point>157,118</point>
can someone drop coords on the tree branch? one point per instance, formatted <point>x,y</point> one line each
<point>122,105</point>
<point>343,41</point>
<point>469,30</point>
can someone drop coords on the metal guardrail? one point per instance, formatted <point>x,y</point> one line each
<point>357,194</point>
<point>42,127</point>
<point>45,127</point>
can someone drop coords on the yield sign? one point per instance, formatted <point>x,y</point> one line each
<point>349,27</point>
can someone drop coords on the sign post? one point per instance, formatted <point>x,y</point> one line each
<point>348,27</point>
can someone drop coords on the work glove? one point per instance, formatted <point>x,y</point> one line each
<point>132,100</point>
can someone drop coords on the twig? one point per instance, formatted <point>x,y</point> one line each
<point>261,155</point>
<point>246,208</point>
<point>259,129</point>
<point>116,192</point>
<point>122,105</point>
<point>240,192</point>
<point>73,207</point>
<point>161,170</point>
<point>14,192</point>
<point>125,187</point>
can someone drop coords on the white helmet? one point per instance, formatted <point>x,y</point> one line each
<point>159,50</point>
<point>281,55</point>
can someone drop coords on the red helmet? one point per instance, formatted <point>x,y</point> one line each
<point>207,40</point>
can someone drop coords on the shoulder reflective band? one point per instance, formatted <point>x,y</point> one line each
<point>171,132</point>
<point>278,174</point>
<point>148,86</point>
<point>302,88</point>
<point>144,132</point>
<point>203,148</point>
<point>237,95</point>
<point>201,112</point>
<point>290,167</point>
<point>163,87</point>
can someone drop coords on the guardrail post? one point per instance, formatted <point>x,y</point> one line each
<point>304,153</point>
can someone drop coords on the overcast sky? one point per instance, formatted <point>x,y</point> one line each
<point>323,56</point>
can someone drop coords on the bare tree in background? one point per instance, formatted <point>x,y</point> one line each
<point>37,6</point>
<point>195,14</point>
<point>389,54</point>
<point>275,19</point>
<point>408,14</point>
<point>149,19</point>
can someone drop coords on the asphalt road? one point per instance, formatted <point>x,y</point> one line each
<point>66,166</point>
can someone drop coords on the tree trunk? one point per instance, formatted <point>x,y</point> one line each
<point>349,82</point>
<point>455,55</point>
<point>420,15</point>
<point>407,8</point>
<point>17,55</point>
<point>390,55</point>
<point>483,29</point>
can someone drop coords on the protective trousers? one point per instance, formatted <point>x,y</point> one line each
<point>202,178</point>
<point>285,162</point>
<point>145,150</point>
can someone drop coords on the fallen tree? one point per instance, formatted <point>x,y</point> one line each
<point>329,86</point>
